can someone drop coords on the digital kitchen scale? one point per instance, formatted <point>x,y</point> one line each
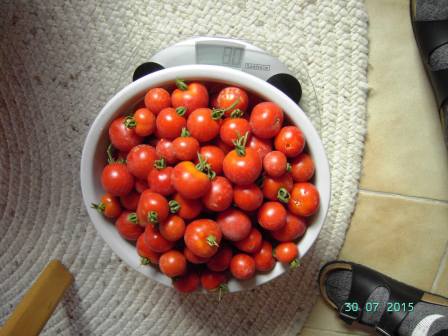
<point>227,52</point>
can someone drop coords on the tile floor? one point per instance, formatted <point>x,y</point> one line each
<point>400,224</point>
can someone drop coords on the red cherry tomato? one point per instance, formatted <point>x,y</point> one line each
<point>286,252</point>
<point>165,149</point>
<point>185,147</point>
<point>272,216</point>
<point>212,280</point>
<point>189,181</point>
<point>173,228</point>
<point>145,122</point>
<point>214,156</point>
<point>302,168</point>
<point>188,208</point>
<point>221,260</point>
<point>242,266</point>
<point>128,227</point>
<point>159,180</point>
<point>122,137</point>
<point>220,195</point>
<point>155,240</point>
<point>157,99</point>
<point>141,186</point>
<point>152,208</point>
<point>290,140</point>
<point>264,261</point>
<point>232,97</point>
<point>234,224</point>
<point>304,200</point>
<point>261,146</point>
<point>170,122</point>
<point>130,201</point>
<point>173,263</point>
<point>294,228</point>
<point>109,206</point>
<point>248,197</point>
<point>140,160</point>
<point>275,163</point>
<point>192,96</point>
<point>232,129</point>
<point>144,251</point>
<point>193,258</point>
<point>202,125</point>
<point>116,179</point>
<point>272,185</point>
<point>187,283</point>
<point>250,244</point>
<point>266,120</point>
<point>202,237</point>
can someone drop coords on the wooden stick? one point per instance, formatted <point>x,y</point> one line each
<point>39,301</point>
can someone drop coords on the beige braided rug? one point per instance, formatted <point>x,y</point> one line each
<point>60,61</point>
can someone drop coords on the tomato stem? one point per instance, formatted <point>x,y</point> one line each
<point>181,110</point>
<point>211,240</point>
<point>174,206</point>
<point>160,164</point>
<point>153,217</point>
<point>288,167</point>
<point>145,261</point>
<point>237,113</point>
<point>110,157</point>
<point>240,144</point>
<point>132,217</point>
<point>130,122</point>
<point>205,167</point>
<point>283,195</point>
<point>181,85</point>
<point>295,263</point>
<point>185,132</point>
<point>217,114</point>
<point>222,289</point>
<point>100,207</point>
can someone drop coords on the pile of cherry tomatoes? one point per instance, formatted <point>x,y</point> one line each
<point>210,182</point>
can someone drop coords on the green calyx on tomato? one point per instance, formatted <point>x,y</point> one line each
<point>153,217</point>
<point>237,113</point>
<point>160,164</point>
<point>181,85</point>
<point>130,122</point>
<point>185,132</point>
<point>110,151</point>
<point>218,113</point>
<point>100,207</point>
<point>283,195</point>
<point>211,240</point>
<point>181,110</point>
<point>205,167</point>
<point>145,261</point>
<point>132,217</point>
<point>288,167</point>
<point>294,264</point>
<point>174,206</point>
<point>240,144</point>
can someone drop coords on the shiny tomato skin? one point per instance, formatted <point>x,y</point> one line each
<point>271,216</point>
<point>189,208</point>
<point>220,195</point>
<point>229,95</point>
<point>232,129</point>
<point>234,224</point>
<point>290,141</point>
<point>145,122</point>
<point>242,266</point>
<point>250,244</point>
<point>189,181</point>
<point>304,199</point>
<point>145,251</point>
<point>214,156</point>
<point>275,163</point>
<point>193,258</point>
<point>294,228</point>
<point>157,99</point>
<point>165,149</point>
<point>202,126</point>
<point>261,146</point>
<point>155,240</point>
<point>264,260</point>
<point>242,170</point>
<point>116,179</point>
<point>160,181</point>
<point>173,263</point>
<point>140,160</point>
<point>173,228</point>
<point>109,206</point>
<point>266,120</point>
<point>302,168</point>
<point>212,280</point>
<point>169,123</point>
<point>185,148</point>
<point>151,202</point>
<point>196,96</point>
<point>130,201</point>
<point>271,185</point>
<point>221,260</point>
<point>202,237</point>
<point>187,283</point>
<point>286,252</point>
<point>122,137</point>
<point>247,197</point>
<point>127,229</point>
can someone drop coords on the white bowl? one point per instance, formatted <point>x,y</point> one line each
<point>93,158</point>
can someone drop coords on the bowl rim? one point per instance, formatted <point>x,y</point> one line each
<point>135,91</point>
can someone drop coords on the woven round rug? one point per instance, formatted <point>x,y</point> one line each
<point>60,61</point>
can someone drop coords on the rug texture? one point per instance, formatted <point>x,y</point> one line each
<point>60,61</point>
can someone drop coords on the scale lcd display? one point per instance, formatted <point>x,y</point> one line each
<point>219,55</point>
